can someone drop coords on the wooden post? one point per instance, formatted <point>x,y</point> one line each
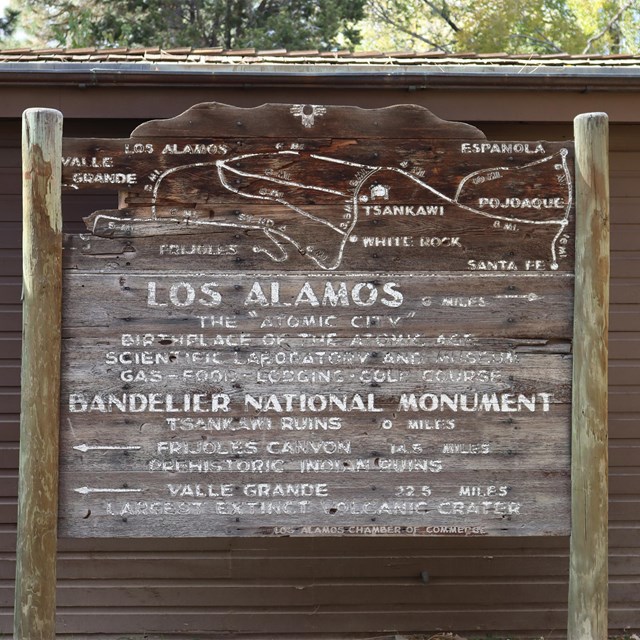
<point>35,603</point>
<point>588,577</point>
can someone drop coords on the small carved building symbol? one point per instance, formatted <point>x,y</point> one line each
<point>380,191</point>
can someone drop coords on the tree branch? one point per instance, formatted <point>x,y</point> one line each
<point>388,18</point>
<point>541,40</point>
<point>616,18</point>
<point>443,12</point>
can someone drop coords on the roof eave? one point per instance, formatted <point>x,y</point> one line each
<point>409,77</point>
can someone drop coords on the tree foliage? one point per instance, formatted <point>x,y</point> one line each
<point>8,23</point>
<point>611,26</point>
<point>509,26</point>
<point>482,26</point>
<point>263,24</point>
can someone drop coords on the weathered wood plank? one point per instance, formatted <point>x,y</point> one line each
<point>112,164</point>
<point>366,309</point>
<point>276,120</point>
<point>384,245</point>
<point>390,372</point>
<point>235,506</point>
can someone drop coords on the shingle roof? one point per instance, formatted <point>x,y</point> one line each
<point>212,56</point>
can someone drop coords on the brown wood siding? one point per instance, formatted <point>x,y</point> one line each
<point>340,587</point>
<point>494,105</point>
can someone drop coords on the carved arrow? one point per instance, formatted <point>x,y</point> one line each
<point>530,297</point>
<point>87,490</point>
<point>106,447</point>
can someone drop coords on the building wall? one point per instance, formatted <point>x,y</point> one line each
<point>333,587</point>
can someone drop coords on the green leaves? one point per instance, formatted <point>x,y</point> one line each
<point>509,26</point>
<point>519,26</point>
<point>482,26</point>
<point>292,24</point>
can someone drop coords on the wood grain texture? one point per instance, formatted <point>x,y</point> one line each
<point>363,315</point>
<point>42,265</point>
<point>588,600</point>
<point>275,120</point>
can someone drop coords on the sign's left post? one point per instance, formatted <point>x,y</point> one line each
<point>35,601</point>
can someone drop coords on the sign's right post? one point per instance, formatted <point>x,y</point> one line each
<point>588,572</point>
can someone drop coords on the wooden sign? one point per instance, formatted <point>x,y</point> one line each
<point>309,320</point>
